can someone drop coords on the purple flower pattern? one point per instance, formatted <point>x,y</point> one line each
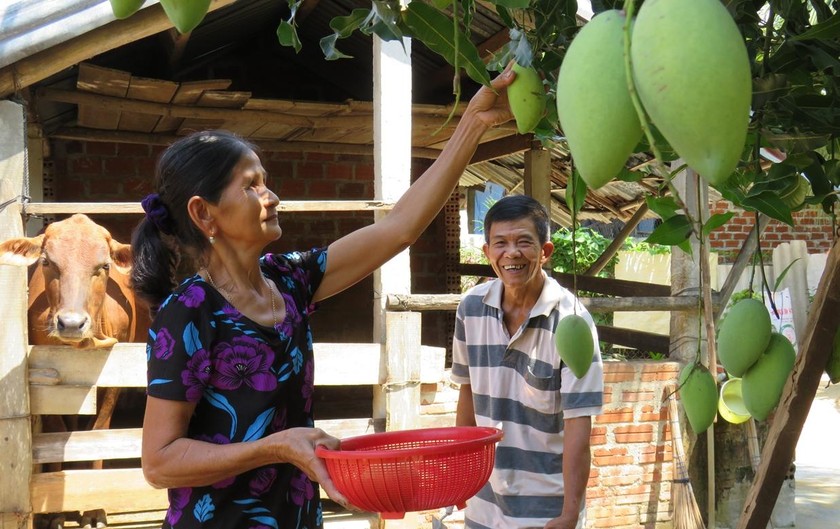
<point>197,374</point>
<point>308,385</point>
<point>192,296</point>
<point>301,488</point>
<point>262,481</point>
<point>178,499</point>
<point>244,360</point>
<point>164,344</point>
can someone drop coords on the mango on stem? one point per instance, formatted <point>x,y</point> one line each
<point>692,74</point>
<point>593,103</point>
<point>743,336</point>
<point>526,97</point>
<point>575,344</point>
<point>698,394</point>
<point>763,383</point>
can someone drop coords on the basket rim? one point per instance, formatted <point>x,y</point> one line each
<point>488,435</point>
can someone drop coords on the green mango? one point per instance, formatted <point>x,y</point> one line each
<point>699,397</point>
<point>574,343</point>
<point>692,75</point>
<point>594,106</point>
<point>743,336</point>
<point>763,383</point>
<point>125,8</point>
<point>185,14</point>
<point>526,97</point>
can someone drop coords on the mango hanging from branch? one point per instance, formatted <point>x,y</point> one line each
<point>575,344</point>
<point>526,97</point>
<point>593,102</point>
<point>692,74</point>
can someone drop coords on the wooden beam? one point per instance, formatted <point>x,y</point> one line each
<point>618,242</point>
<point>538,175</point>
<point>745,255</point>
<point>129,208</point>
<point>641,340</point>
<point>41,65</point>
<point>430,302</point>
<point>115,490</point>
<point>501,147</point>
<point>790,415</point>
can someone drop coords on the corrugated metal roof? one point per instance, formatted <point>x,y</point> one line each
<point>31,26</point>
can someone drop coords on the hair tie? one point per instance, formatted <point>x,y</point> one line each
<point>156,212</point>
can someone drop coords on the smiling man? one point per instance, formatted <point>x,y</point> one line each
<point>512,378</point>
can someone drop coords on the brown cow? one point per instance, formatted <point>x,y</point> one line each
<point>79,295</point>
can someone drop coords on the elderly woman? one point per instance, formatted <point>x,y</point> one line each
<point>229,421</point>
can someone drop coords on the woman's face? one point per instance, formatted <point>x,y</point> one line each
<point>247,209</point>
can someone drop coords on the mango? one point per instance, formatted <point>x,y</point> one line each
<point>574,343</point>
<point>692,74</point>
<point>526,97</point>
<point>185,15</point>
<point>125,8</point>
<point>594,106</point>
<point>743,336</point>
<point>699,397</point>
<point>762,384</point>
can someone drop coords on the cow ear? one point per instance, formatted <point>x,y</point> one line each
<point>121,255</point>
<point>21,252</point>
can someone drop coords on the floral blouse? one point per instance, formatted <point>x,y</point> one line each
<point>248,381</point>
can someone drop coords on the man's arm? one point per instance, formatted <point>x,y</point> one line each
<point>465,413</point>
<point>577,460</point>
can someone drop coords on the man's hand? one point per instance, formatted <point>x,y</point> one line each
<point>563,521</point>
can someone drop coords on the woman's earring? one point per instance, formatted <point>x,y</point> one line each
<point>212,239</point>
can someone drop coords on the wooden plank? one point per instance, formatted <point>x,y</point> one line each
<point>90,445</point>
<point>102,81</point>
<point>144,89</point>
<point>188,93</point>
<point>426,302</point>
<point>618,242</point>
<point>216,99</point>
<point>123,365</point>
<point>15,426</point>
<point>538,175</point>
<point>789,417</point>
<point>37,67</point>
<point>62,400</point>
<point>115,490</point>
<point>641,340</point>
<point>120,208</point>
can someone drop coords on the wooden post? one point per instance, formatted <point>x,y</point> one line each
<point>538,175</point>
<point>15,428</point>
<point>398,400</point>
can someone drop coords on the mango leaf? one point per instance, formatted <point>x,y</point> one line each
<point>783,274</point>
<point>665,207</point>
<point>343,27</point>
<point>671,232</point>
<point>435,30</point>
<point>830,29</point>
<point>832,171</point>
<point>716,221</point>
<point>441,4</point>
<point>331,53</point>
<point>575,192</point>
<point>770,204</point>
<point>287,35</point>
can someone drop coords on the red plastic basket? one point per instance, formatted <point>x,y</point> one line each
<point>393,473</point>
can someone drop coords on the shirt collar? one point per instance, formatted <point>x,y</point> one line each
<point>551,294</point>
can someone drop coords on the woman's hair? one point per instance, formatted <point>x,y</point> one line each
<point>515,207</point>
<point>200,164</point>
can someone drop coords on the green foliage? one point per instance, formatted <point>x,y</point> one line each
<point>578,254</point>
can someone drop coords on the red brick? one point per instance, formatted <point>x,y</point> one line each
<point>133,149</point>
<point>309,170</point>
<point>634,434</point>
<point>615,451</point>
<point>120,167</point>
<point>625,522</point>
<point>319,157</point>
<point>339,171</point>
<point>355,191</point>
<point>86,166</point>
<point>636,396</point>
<point>292,189</point>
<point>96,148</point>
<point>612,460</point>
<point>323,190</point>
<point>614,416</point>
<point>364,172</point>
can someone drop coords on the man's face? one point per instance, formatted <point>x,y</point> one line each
<point>516,253</point>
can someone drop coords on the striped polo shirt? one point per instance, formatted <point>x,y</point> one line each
<point>520,385</point>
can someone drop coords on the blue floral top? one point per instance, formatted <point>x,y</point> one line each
<point>247,381</point>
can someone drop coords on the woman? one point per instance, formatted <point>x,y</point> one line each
<point>229,426</point>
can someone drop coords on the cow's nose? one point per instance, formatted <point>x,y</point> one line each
<point>72,322</point>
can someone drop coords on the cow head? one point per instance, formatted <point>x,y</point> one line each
<point>75,257</point>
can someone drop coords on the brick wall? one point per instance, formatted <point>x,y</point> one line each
<point>630,482</point>
<point>811,225</point>
<point>118,172</point>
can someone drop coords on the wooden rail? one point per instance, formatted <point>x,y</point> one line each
<point>119,208</point>
<point>431,302</point>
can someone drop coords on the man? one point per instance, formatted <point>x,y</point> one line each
<point>512,378</point>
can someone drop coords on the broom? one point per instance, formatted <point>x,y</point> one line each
<point>686,512</point>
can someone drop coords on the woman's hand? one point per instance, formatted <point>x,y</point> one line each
<point>297,446</point>
<point>490,106</point>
